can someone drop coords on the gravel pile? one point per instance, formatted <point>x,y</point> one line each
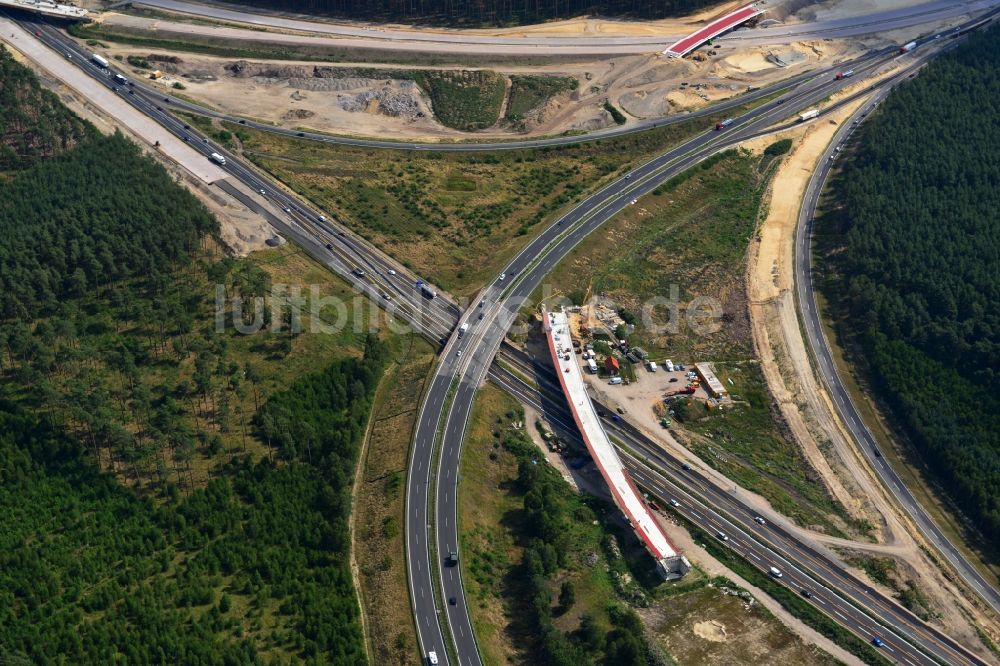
<point>396,103</point>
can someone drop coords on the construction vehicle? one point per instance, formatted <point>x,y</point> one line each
<point>843,75</point>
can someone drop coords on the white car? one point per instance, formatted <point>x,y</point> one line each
<point>262,192</point>
<point>392,272</point>
<point>759,520</point>
<point>322,218</point>
<point>287,209</point>
<point>674,503</point>
<point>432,658</point>
<point>459,353</point>
<point>503,276</point>
<point>633,201</point>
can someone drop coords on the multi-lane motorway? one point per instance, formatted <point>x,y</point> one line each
<point>432,531</point>
<point>832,589</point>
<point>457,43</point>
<point>812,324</point>
<point>432,483</point>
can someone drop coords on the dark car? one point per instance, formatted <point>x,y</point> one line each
<point>242,122</point>
<point>807,594</point>
<point>187,127</point>
<point>329,246</point>
<point>300,134</point>
<point>452,601</point>
<point>686,467</point>
<point>452,559</point>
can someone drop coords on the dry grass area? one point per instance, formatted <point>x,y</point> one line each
<point>485,542</point>
<point>379,508</point>
<point>690,238</point>
<point>717,623</point>
<point>454,218</point>
<point>685,242</point>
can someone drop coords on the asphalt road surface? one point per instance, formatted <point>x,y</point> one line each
<point>436,317</point>
<point>805,567</point>
<point>811,320</point>
<point>457,378</point>
<point>461,42</point>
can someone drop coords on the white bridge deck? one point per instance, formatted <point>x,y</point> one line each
<point>47,8</point>
<point>624,492</point>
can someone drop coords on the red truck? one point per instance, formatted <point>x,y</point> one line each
<point>843,75</point>
<point>724,124</point>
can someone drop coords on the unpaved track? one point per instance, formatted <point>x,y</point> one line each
<point>805,404</point>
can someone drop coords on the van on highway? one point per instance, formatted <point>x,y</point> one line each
<point>774,571</point>
<point>432,658</point>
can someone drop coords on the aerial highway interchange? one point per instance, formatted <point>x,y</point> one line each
<point>466,361</point>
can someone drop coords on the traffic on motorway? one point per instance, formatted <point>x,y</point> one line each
<point>432,538</point>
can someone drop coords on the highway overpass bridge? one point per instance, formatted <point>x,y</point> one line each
<point>46,8</point>
<point>669,562</point>
<point>720,25</point>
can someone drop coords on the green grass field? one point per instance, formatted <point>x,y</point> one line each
<point>688,240</point>
<point>529,92</point>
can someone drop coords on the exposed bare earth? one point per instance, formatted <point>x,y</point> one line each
<point>806,406</point>
<point>329,97</point>
<point>240,229</point>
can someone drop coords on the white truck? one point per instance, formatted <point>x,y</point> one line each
<point>462,329</point>
<point>100,60</point>
<point>592,366</point>
<point>652,366</point>
<point>218,159</point>
<point>669,365</point>
<point>808,115</point>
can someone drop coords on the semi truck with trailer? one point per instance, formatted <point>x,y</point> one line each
<point>723,124</point>
<point>843,75</point>
<point>100,60</point>
<point>808,115</point>
<point>906,48</point>
<point>218,159</point>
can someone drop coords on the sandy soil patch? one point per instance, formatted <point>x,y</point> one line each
<point>805,405</point>
<point>327,97</point>
<point>711,630</point>
<point>712,567</point>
